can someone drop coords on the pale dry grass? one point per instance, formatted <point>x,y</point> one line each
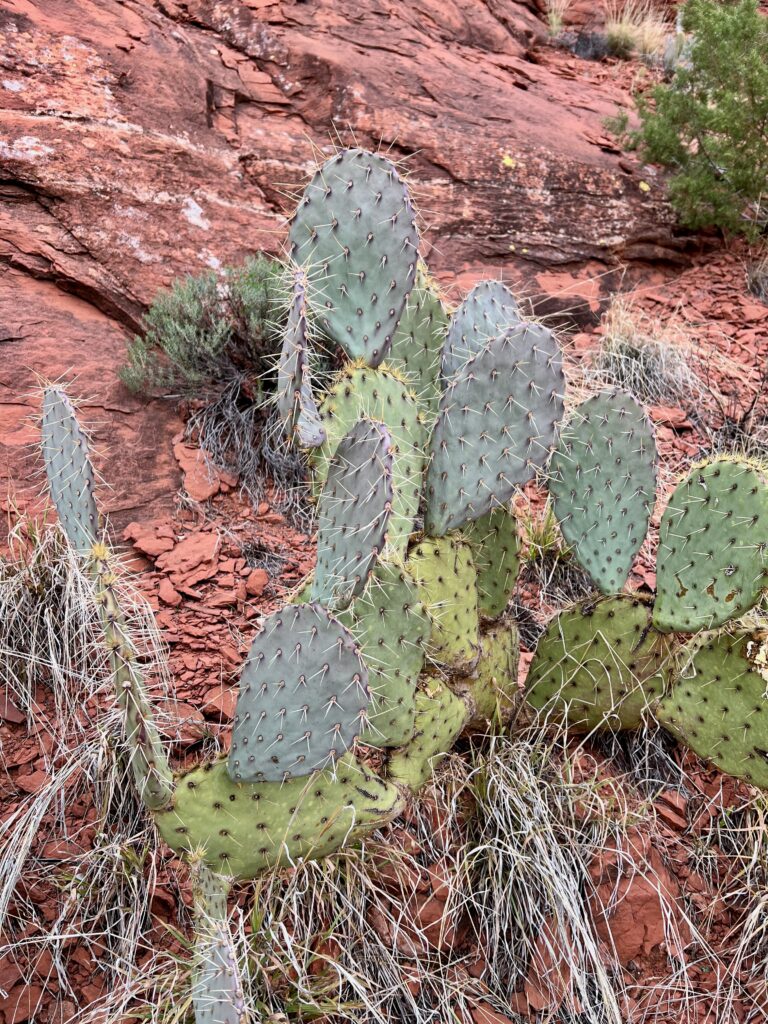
<point>636,28</point>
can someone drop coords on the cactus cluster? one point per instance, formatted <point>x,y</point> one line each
<point>402,637</point>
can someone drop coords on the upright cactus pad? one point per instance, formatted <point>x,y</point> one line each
<point>380,395</point>
<point>599,664</point>
<point>242,829</point>
<point>488,310</point>
<point>295,401</point>
<point>492,685</point>
<point>495,426</point>
<point>718,706</point>
<point>355,234</point>
<point>418,344</point>
<point>353,514</point>
<point>392,627</point>
<point>69,470</point>
<point>712,560</point>
<point>440,717</point>
<point>496,552</point>
<point>303,697</point>
<point>445,575</point>
<point>217,995</point>
<point>603,482</point>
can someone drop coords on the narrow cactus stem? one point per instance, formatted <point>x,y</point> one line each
<point>151,771</point>
<point>218,991</point>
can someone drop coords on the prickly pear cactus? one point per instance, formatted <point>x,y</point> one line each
<point>418,344</point>
<point>718,705</point>
<point>495,426</point>
<point>303,697</point>
<point>70,473</point>
<point>599,664</point>
<point>602,477</point>
<point>496,553</point>
<point>217,994</point>
<point>295,401</point>
<point>353,513</point>
<point>355,234</point>
<point>488,310</point>
<point>440,717</point>
<point>712,560</point>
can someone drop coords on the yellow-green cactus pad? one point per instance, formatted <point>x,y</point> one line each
<point>440,717</point>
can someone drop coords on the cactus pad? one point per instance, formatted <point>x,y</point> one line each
<point>599,664</point>
<point>355,234</point>
<point>445,574</point>
<point>380,395</point>
<point>492,686</point>
<point>295,402</point>
<point>418,342</point>
<point>353,514</point>
<point>440,717</point>
<point>392,627</point>
<point>217,995</point>
<point>242,829</point>
<point>496,553</point>
<point>603,482</point>
<point>495,426</point>
<point>303,697</point>
<point>712,561</point>
<point>718,706</point>
<point>70,473</point>
<point>488,310</point>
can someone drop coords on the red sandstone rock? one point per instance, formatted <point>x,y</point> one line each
<point>145,538</point>
<point>193,559</point>
<point>256,582</point>
<point>201,479</point>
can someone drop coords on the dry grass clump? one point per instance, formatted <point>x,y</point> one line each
<point>636,28</point>
<point>556,11</point>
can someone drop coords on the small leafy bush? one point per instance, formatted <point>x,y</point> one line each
<point>710,124</point>
<point>203,331</point>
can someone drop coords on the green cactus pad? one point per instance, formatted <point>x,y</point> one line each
<point>380,395</point>
<point>440,717</point>
<point>217,993</point>
<point>355,234</point>
<point>712,561</point>
<point>445,574</point>
<point>496,552</point>
<point>495,426</point>
<point>492,685</point>
<point>70,473</point>
<point>418,343</point>
<point>718,706</point>
<point>242,829</point>
<point>599,664</point>
<point>303,697</point>
<point>488,310</point>
<point>602,478</point>
<point>353,513</point>
<point>296,404</point>
<point>392,627</point>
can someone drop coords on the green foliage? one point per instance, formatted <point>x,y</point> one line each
<point>710,124</point>
<point>202,331</point>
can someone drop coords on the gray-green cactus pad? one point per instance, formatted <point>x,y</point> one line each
<point>380,395</point>
<point>602,478</point>
<point>718,706</point>
<point>712,557</point>
<point>495,426</point>
<point>488,310</point>
<point>447,581</point>
<point>217,993</point>
<point>440,717</point>
<point>418,343</point>
<point>353,514</point>
<point>242,829</point>
<point>69,469</point>
<point>599,664</point>
<point>303,697</point>
<point>392,627</point>
<point>296,404</point>
<point>355,233</point>
<point>496,552</point>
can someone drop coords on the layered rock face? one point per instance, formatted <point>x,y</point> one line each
<point>142,140</point>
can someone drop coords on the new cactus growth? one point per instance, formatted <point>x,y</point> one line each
<point>218,989</point>
<point>603,481</point>
<point>295,401</point>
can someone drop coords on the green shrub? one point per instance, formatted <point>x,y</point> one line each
<point>203,331</point>
<point>711,122</point>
